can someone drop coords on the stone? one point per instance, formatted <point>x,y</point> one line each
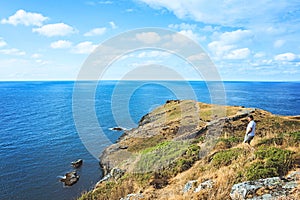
<point>117,129</point>
<point>70,178</point>
<point>77,163</point>
<point>133,197</point>
<point>204,185</point>
<point>189,185</point>
<point>241,190</point>
<point>265,189</point>
<point>117,173</point>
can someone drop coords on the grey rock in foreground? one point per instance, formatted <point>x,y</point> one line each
<point>264,189</point>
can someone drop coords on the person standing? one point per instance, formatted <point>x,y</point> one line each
<point>250,131</point>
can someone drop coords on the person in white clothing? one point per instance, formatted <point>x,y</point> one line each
<point>250,131</point>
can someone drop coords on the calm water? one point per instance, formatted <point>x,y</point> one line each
<point>39,139</point>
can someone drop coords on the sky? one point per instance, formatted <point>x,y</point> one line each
<point>247,41</point>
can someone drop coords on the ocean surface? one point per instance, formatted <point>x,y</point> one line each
<point>39,137</point>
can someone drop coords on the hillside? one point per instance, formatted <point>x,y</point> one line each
<point>192,150</point>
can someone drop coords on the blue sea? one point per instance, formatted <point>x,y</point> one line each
<point>39,137</point>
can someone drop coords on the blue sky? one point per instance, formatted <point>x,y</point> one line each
<point>50,40</point>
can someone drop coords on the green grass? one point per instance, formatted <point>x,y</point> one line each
<point>161,156</point>
<point>228,142</point>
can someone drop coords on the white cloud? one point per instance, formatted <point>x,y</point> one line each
<point>84,48</point>
<point>235,36</point>
<point>234,13</point>
<point>238,54</point>
<point>105,2</point>
<point>2,42</point>
<point>278,43</point>
<point>95,31</point>
<point>13,51</point>
<point>94,3</point>
<point>129,10</point>
<point>61,44</point>
<point>183,26</point>
<point>113,25</point>
<point>36,55</point>
<point>286,57</point>
<point>25,18</point>
<point>190,34</point>
<point>148,37</point>
<point>259,55</point>
<point>228,41</point>
<point>59,29</point>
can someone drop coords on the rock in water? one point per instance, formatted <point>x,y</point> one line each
<point>117,129</point>
<point>77,163</point>
<point>70,178</point>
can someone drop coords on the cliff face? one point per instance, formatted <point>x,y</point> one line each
<point>188,142</point>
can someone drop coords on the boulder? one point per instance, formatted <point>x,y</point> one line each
<point>117,129</point>
<point>133,197</point>
<point>204,185</point>
<point>263,189</point>
<point>70,178</point>
<point>77,163</point>
<point>189,185</point>
<point>193,185</point>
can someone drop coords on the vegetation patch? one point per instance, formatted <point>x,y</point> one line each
<point>165,154</point>
<point>140,144</point>
<point>286,139</point>
<point>270,162</point>
<point>225,157</point>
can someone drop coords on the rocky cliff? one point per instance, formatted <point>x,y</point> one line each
<point>192,150</point>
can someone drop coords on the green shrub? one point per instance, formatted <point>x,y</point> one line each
<point>224,158</point>
<point>271,162</point>
<point>293,139</point>
<point>259,170</point>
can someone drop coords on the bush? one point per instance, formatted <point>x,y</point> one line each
<point>224,158</point>
<point>259,170</point>
<point>271,162</point>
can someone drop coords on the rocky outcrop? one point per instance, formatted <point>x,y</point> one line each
<point>269,188</point>
<point>70,178</point>
<point>114,174</point>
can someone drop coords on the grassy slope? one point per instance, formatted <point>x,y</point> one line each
<point>165,165</point>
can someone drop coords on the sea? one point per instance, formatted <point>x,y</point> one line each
<point>40,137</point>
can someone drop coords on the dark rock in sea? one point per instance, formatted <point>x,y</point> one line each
<point>70,178</point>
<point>77,163</point>
<point>117,129</point>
